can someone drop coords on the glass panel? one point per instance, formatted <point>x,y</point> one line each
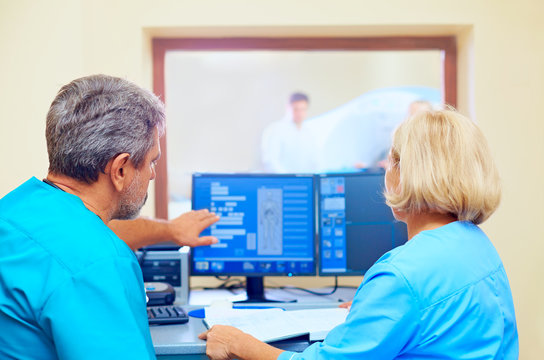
<point>229,111</point>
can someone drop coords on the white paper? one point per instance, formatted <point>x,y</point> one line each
<point>276,324</point>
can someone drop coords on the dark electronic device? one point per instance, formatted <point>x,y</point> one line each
<point>356,227</point>
<point>165,315</point>
<point>159,293</point>
<point>267,227</point>
<point>168,266</point>
<point>161,265</point>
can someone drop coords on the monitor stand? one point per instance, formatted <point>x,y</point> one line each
<point>255,292</point>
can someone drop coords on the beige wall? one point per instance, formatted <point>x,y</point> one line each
<point>46,44</point>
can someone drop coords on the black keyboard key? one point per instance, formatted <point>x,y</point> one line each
<point>170,314</point>
<point>162,313</point>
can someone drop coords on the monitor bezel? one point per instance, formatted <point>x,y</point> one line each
<point>261,175</point>
<point>366,172</point>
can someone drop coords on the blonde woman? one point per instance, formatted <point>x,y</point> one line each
<point>445,293</point>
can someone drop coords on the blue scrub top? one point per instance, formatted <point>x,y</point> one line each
<point>442,295</point>
<point>69,287</point>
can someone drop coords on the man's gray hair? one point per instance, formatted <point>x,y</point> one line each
<point>95,118</point>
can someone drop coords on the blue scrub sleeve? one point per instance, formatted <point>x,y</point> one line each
<point>100,313</point>
<point>383,320</point>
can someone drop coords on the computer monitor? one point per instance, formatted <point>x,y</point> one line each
<point>356,227</point>
<point>267,227</point>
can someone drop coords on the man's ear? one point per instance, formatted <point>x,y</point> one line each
<point>120,171</point>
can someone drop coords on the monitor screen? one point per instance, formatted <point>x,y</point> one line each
<point>356,227</point>
<point>267,224</point>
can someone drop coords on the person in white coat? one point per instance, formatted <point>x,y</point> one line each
<point>288,145</point>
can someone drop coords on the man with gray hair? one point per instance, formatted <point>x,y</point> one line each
<point>69,287</point>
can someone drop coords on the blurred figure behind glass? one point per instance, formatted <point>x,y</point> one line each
<point>287,145</point>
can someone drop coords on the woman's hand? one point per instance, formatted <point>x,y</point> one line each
<point>227,342</point>
<point>220,341</point>
<point>346,305</point>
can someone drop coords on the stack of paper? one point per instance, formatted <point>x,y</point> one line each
<point>276,324</point>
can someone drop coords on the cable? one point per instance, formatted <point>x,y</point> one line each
<point>141,258</point>
<point>235,284</point>
<point>311,291</point>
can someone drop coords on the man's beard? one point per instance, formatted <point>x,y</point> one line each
<point>129,204</point>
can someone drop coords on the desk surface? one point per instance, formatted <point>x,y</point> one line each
<point>183,339</point>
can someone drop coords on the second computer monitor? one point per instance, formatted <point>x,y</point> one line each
<point>266,228</point>
<point>356,227</point>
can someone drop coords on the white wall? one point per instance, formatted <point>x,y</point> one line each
<point>46,44</point>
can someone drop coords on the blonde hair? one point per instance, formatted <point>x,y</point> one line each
<point>444,166</point>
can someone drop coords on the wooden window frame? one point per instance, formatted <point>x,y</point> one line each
<point>160,46</point>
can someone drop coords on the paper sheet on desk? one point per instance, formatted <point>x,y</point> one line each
<point>276,324</point>
<point>319,321</point>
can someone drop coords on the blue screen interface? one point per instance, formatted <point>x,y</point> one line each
<point>266,224</point>
<point>356,225</point>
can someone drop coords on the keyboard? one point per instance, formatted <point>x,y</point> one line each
<point>170,314</point>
